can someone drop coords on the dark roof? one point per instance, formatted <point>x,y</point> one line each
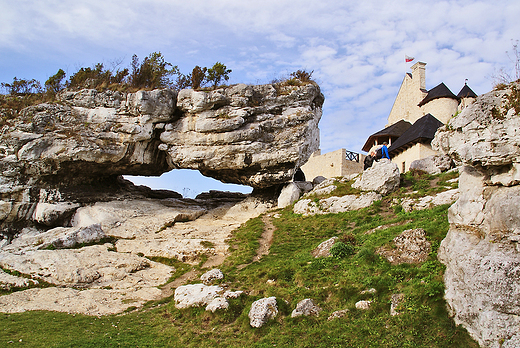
<point>395,130</point>
<point>423,129</point>
<point>441,91</point>
<point>466,92</point>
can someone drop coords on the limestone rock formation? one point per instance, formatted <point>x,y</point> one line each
<point>335,204</point>
<point>306,307</point>
<point>382,177</point>
<point>481,251</point>
<point>435,164</point>
<point>445,197</point>
<point>193,295</point>
<point>55,156</point>
<point>262,310</point>
<point>251,135</point>
<point>411,246</point>
<point>115,275</point>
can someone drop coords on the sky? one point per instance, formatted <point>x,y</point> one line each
<point>355,49</point>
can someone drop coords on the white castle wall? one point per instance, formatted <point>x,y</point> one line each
<point>417,151</point>
<point>411,93</point>
<point>442,109</point>
<point>331,165</point>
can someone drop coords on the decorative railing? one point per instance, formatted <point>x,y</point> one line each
<point>352,156</point>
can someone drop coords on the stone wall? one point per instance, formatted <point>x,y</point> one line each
<point>331,164</point>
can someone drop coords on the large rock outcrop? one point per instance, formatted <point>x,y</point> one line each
<point>62,190</point>
<point>75,150</point>
<point>481,250</point>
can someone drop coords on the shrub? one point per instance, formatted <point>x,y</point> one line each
<point>198,77</point>
<point>218,72</point>
<point>302,75</point>
<point>22,87</point>
<point>153,72</point>
<point>341,250</point>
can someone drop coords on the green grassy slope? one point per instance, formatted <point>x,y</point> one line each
<point>334,283</point>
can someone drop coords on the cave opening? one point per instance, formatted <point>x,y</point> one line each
<point>189,183</point>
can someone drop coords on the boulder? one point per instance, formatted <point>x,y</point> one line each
<point>363,305</point>
<point>290,194</point>
<point>435,164</point>
<point>262,310</point>
<point>196,295</point>
<point>338,314</point>
<point>411,246</point>
<point>63,237</point>
<point>306,308</point>
<point>335,204</point>
<point>323,250</point>
<point>210,276</point>
<point>395,301</point>
<point>382,177</point>
<point>318,180</point>
<point>323,188</point>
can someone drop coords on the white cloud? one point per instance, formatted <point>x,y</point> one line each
<point>356,49</point>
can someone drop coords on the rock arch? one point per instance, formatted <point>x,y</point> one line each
<point>243,134</point>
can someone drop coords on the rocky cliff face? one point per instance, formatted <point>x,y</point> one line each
<point>482,251</point>
<point>74,151</point>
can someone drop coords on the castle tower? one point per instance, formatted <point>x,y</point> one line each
<point>411,93</point>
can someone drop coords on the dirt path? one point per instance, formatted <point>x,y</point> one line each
<point>265,241</point>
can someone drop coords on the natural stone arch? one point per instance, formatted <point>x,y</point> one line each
<point>250,135</point>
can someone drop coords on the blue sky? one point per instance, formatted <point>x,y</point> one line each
<point>355,48</point>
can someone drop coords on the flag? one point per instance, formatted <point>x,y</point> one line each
<point>408,59</point>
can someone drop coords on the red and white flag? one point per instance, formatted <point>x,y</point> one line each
<point>408,59</point>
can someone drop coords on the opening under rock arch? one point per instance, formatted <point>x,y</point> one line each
<point>189,183</point>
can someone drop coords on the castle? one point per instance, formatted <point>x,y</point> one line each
<point>415,116</point>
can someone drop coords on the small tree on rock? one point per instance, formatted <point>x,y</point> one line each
<point>54,83</point>
<point>217,73</point>
<point>198,77</point>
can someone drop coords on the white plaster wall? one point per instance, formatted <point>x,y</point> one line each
<point>411,93</point>
<point>442,109</point>
<point>330,165</point>
<point>417,151</point>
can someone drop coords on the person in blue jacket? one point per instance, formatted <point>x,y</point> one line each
<point>385,151</point>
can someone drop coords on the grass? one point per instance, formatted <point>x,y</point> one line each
<point>334,283</point>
